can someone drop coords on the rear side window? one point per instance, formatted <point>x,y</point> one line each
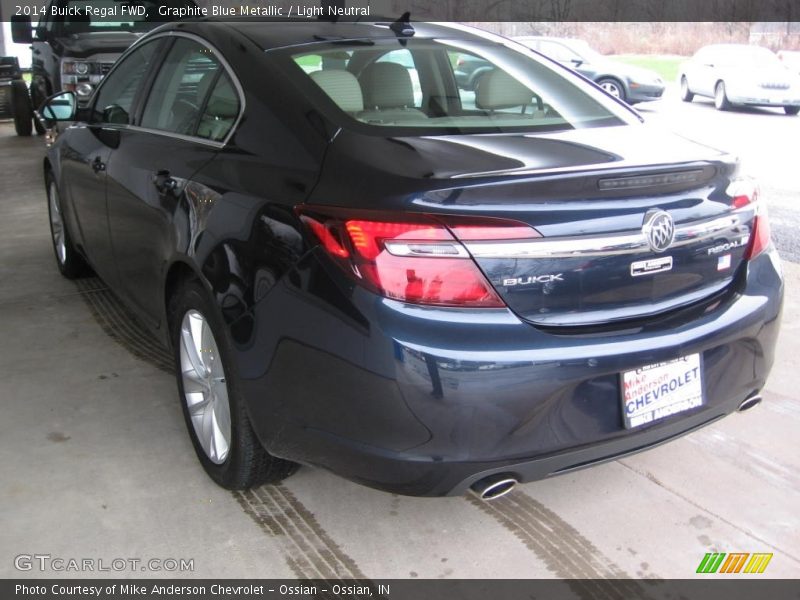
<point>116,95</point>
<point>176,101</point>
<point>221,110</point>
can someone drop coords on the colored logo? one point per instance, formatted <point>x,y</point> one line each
<point>734,562</point>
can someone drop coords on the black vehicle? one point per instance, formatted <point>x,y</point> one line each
<point>629,83</point>
<point>9,68</point>
<point>9,73</point>
<point>421,295</point>
<point>14,95</point>
<point>73,49</point>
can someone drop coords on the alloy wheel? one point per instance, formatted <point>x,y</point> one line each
<point>57,226</point>
<point>205,389</point>
<point>612,88</point>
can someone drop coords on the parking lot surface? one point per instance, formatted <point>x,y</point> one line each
<point>95,462</point>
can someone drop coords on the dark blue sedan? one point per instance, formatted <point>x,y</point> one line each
<point>362,266</point>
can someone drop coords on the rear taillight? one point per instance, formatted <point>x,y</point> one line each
<point>417,259</point>
<point>745,193</point>
<point>760,237</point>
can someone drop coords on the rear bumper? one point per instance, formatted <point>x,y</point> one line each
<point>764,103</point>
<point>425,402</point>
<point>764,98</point>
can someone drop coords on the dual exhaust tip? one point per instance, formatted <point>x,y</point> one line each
<point>497,486</point>
<point>493,486</point>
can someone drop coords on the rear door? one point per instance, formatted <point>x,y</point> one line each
<point>190,109</point>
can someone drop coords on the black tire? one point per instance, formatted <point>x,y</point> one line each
<point>721,101</point>
<point>791,110</point>
<point>246,463</point>
<point>21,107</point>
<point>686,94</point>
<point>69,261</point>
<point>613,87</point>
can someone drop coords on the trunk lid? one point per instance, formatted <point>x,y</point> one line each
<point>633,221</point>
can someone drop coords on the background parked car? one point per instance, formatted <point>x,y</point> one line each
<point>791,59</point>
<point>9,71</point>
<point>627,82</point>
<point>14,96</point>
<point>9,68</point>
<point>468,69</point>
<point>739,75</point>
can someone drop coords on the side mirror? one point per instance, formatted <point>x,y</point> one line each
<point>21,31</point>
<point>60,107</point>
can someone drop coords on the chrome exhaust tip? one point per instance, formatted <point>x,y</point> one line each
<point>750,402</point>
<point>493,487</point>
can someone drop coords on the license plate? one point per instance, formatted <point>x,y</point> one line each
<point>658,391</point>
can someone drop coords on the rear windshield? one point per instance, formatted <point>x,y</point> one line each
<point>451,85</point>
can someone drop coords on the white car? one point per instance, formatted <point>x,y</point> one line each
<point>791,59</point>
<point>740,75</point>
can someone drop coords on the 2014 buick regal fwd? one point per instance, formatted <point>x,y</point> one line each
<point>422,288</point>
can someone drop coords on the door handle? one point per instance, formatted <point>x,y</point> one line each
<point>164,182</point>
<point>98,165</point>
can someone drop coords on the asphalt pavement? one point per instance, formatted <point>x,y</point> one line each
<point>95,462</point>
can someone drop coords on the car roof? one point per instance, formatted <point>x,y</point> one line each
<point>281,33</point>
<point>732,46</point>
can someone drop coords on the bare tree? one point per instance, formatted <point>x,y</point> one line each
<point>559,10</point>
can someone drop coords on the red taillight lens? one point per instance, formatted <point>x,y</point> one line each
<point>367,236</point>
<point>417,260</point>
<point>436,281</point>
<point>760,236</point>
<point>473,229</point>
<point>329,238</point>
<point>745,193</point>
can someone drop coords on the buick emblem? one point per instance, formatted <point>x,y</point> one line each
<point>659,230</point>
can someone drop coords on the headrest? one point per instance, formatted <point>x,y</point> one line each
<point>497,89</point>
<point>342,87</point>
<point>387,85</point>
